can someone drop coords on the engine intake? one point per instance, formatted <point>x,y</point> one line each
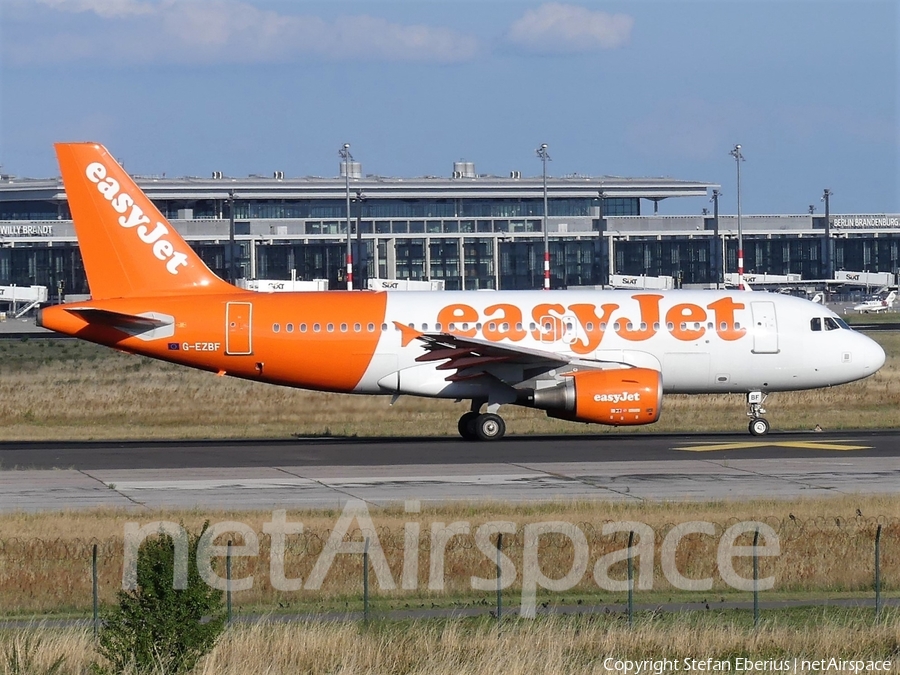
<point>621,397</point>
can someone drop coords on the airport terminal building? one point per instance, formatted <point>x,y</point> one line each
<point>468,230</point>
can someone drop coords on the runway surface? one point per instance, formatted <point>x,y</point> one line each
<point>316,473</point>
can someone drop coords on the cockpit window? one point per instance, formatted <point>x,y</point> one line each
<point>831,324</point>
<point>815,324</point>
<point>842,324</point>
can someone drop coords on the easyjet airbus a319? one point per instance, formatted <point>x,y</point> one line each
<point>605,357</point>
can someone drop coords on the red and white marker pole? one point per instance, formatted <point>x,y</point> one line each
<point>740,269</point>
<point>347,158</point>
<point>546,270</point>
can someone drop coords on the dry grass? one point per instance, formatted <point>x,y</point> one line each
<point>548,646</point>
<point>826,549</point>
<point>62,389</point>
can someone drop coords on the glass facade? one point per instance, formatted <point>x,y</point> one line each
<point>337,208</point>
<point>621,206</point>
<point>685,259</point>
<point>696,261</point>
<point>372,208</point>
<point>791,256</point>
<point>319,260</point>
<point>468,261</point>
<point>572,263</point>
<point>444,254</point>
<point>34,210</point>
<point>409,208</point>
<point>478,265</point>
<point>410,256</point>
<point>37,265</point>
<point>199,208</point>
<point>868,254</point>
<point>486,237</point>
<point>217,258</point>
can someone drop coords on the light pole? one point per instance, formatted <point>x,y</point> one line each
<point>826,197</point>
<point>601,228</point>
<point>738,158</point>
<point>347,157</point>
<point>545,157</point>
<point>724,252</point>
<point>715,200</point>
<point>361,256</point>
<point>231,266</point>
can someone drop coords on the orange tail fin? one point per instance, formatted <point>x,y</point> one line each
<point>129,249</point>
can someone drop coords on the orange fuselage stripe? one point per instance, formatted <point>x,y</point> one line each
<point>329,360</point>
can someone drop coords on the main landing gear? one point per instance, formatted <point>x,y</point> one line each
<point>759,426</point>
<point>476,426</point>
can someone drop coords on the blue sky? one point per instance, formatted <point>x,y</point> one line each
<point>185,87</point>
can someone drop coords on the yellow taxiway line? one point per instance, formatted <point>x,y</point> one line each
<point>806,445</point>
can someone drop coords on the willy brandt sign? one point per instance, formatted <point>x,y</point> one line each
<point>355,532</point>
<point>26,230</point>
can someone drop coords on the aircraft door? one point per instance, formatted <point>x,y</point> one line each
<point>238,317</point>
<point>765,327</point>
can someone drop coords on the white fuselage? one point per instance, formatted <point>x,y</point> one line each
<point>700,341</point>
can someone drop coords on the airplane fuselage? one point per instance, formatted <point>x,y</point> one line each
<point>700,341</point>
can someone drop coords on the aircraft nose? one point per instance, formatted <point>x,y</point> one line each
<point>872,355</point>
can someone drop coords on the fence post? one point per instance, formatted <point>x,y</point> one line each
<point>228,580</point>
<point>878,573</point>
<point>499,584</point>
<point>630,578</point>
<point>96,591</point>
<point>366,582</point>
<point>756,578</point>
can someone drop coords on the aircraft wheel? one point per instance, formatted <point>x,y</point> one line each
<point>759,427</point>
<point>466,426</point>
<point>489,427</point>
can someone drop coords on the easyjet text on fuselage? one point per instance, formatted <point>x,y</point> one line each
<point>684,321</point>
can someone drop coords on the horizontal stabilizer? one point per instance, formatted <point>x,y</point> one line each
<point>147,326</point>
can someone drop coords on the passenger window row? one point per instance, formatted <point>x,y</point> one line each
<point>815,324</point>
<point>330,327</point>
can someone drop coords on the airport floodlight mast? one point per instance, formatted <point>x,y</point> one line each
<point>826,197</point>
<point>361,257</point>
<point>716,193</point>
<point>545,157</point>
<point>738,158</point>
<point>347,157</point>
<point>231,266</point>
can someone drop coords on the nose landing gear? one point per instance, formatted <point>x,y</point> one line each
<point>759,426</point>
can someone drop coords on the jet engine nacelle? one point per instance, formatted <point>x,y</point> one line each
<point>621,397</point>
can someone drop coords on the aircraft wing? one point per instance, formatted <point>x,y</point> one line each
<point>462,353</point>
<point>466,357</point>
